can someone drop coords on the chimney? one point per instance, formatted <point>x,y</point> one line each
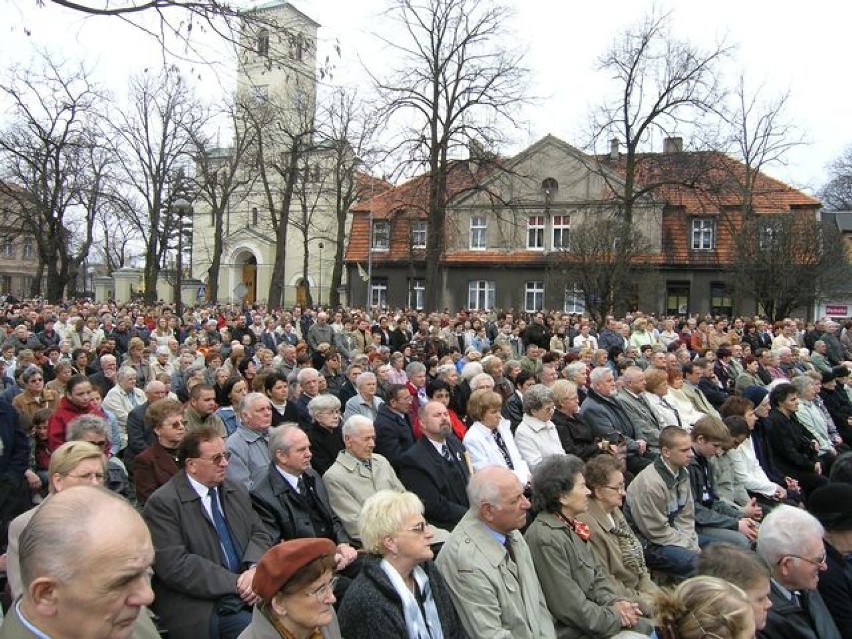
<point>613,149</point>
<point>477,155</point>
<point>673,145</point>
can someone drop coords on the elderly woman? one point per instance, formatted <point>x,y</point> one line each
<point>676,398</point>
<point>536,435</point>
<point>577,437</point>
<point>489,441</point>
<point>701,608</point>
<point>135,359</point>
<point>156,465</point>
<point>35,396</point>
<point>94,429</point>
<point>613,541</point>
<point>656,391</point>
<point>396,372</point>
<point>234,390</point>
<point>749,375</point>
<point>294,581</point>
<point>576,586</point>
<point>399,592</point>
<point>365,401</point>
<point>72,464</point>
<point>324,431</point>
<point>123,398</point>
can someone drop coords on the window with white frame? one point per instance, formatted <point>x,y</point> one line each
<point>478,229</point>
<point>574,300</point>
<point>8,247</point>
<point>561,231</point>
<point>416,293</point>
<point>379,292</point>
<point>418,234</point>
<point>381,235</point>
<point>703,234</point>
<point>535,232</point>
<point>481,295</point>
<point>533,296</point>
<point>29,250</point>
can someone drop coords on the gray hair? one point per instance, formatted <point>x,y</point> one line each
<point>52,543</point>
<point>305,373</point>
<point>801,382</point>
<point>30,372</point>
<point>124,372</point>
<point>477,379</point>
<point>352,425</point>
<point>249,399</point>
<point>470,370</point>
<point>322,403</point>
<point>107,357</point>
<point>481,490</point>
<point>574,368</point>
<point>363,378</point>
<point>193,370</point>
<point>598,374</point>
<point>783,531</point>
<point>444,369</point>
<point>79,426</point>
<point>509,365</point>
<point>631,373</point>
<point>279,438</point>
<point>536,397</point>
<point>415,368</point>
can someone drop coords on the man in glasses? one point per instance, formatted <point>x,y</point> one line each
<point>790,542</point>
<point>207,540</point>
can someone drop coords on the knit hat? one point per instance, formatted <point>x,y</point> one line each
<point>281,562</point>
<point>756,394</point>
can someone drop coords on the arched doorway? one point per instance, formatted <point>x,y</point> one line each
<point>301,293</point>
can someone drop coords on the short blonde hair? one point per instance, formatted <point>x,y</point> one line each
<point>561,389</point>
<point>68,456</point>
<point>704,607</point>
<point>382,515</point>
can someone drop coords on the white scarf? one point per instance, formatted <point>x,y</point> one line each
<point>417,627</point>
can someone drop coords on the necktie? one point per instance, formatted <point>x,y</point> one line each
<point>445,451</point>
<point>507,544</point>
<point>226,543</point>
<point>300,485</point>
<point>672,409</point>
<point>503,449</point>
<point>368,464</point>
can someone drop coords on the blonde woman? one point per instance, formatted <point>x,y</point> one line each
<point>701,608</point>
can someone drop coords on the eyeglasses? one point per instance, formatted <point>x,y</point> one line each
<point>419,528</point>
<point>618,488</point>
<point>814,562</point>
<point>216,459</point>
<point>322,593</point>
<point>89,476</point>
<point>100,443</point>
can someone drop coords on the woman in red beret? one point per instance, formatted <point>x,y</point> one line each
<point>295,582</point>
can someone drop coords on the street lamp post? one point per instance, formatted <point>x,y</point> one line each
<point>321,247</point>
<point>181,208</point>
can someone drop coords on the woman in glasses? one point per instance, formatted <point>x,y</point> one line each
<point>156,465</point>
<point>613,541</point>
<point>295,583</point>
<point>35,396</point>
<point>399,592</point>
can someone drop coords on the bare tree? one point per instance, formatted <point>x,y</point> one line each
<point>456,82</point>
<point>837,192</point>
<point>222,180</point>
<point>116,236</point>
<point>54,167</point>
<point>153,141</point>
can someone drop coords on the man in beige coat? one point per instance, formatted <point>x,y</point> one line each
<point>487,564</point>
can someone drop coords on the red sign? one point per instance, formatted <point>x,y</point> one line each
<point>837,310</point>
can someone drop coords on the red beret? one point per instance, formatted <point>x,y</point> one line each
<point>281,562</point>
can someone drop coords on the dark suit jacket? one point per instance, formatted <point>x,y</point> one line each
<point>139,436</point>
<point>715,395</point>
<point>441,485</point>
<point>394,434</point>
<point>189,578</point>
<point>284,512</point>
<point>787,620</point>
<point>98,379</point>
<point>152,468</point>
<point>835,588</point>
<point>290,414</point>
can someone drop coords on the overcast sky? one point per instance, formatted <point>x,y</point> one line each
<point>785,45</point>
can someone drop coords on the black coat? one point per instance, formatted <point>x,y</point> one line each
<point>513,410</point>
<point>372,608</point>
<point>714,394</point>
<point>394,434</point>
<point>139,436</point>
<point>792,447</point>
<point>285,513</point>
<point>787,620</point>
<point>441,485</point>
<point>576,436</point>
<point>835,588</point>
<point>840,409</point>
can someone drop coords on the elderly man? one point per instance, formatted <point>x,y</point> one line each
<point>105,378</point>
<point>632,399</point>
<point>308,379</point>
<point>357,473</point>
<point>201,412</point>
<point>87,578</point>
<point>487,564</point>
<point>365,402</point>
<point>659,503</point>
<point>435,468</point>
<point>207,540</point>
<point>791,544</point>
<point>320,332</point>
<point>607,417</point>
<point>292,500</point>
<point>139,435</point>
<point>249,444</point>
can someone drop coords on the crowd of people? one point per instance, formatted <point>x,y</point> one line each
<point>348,473</point>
